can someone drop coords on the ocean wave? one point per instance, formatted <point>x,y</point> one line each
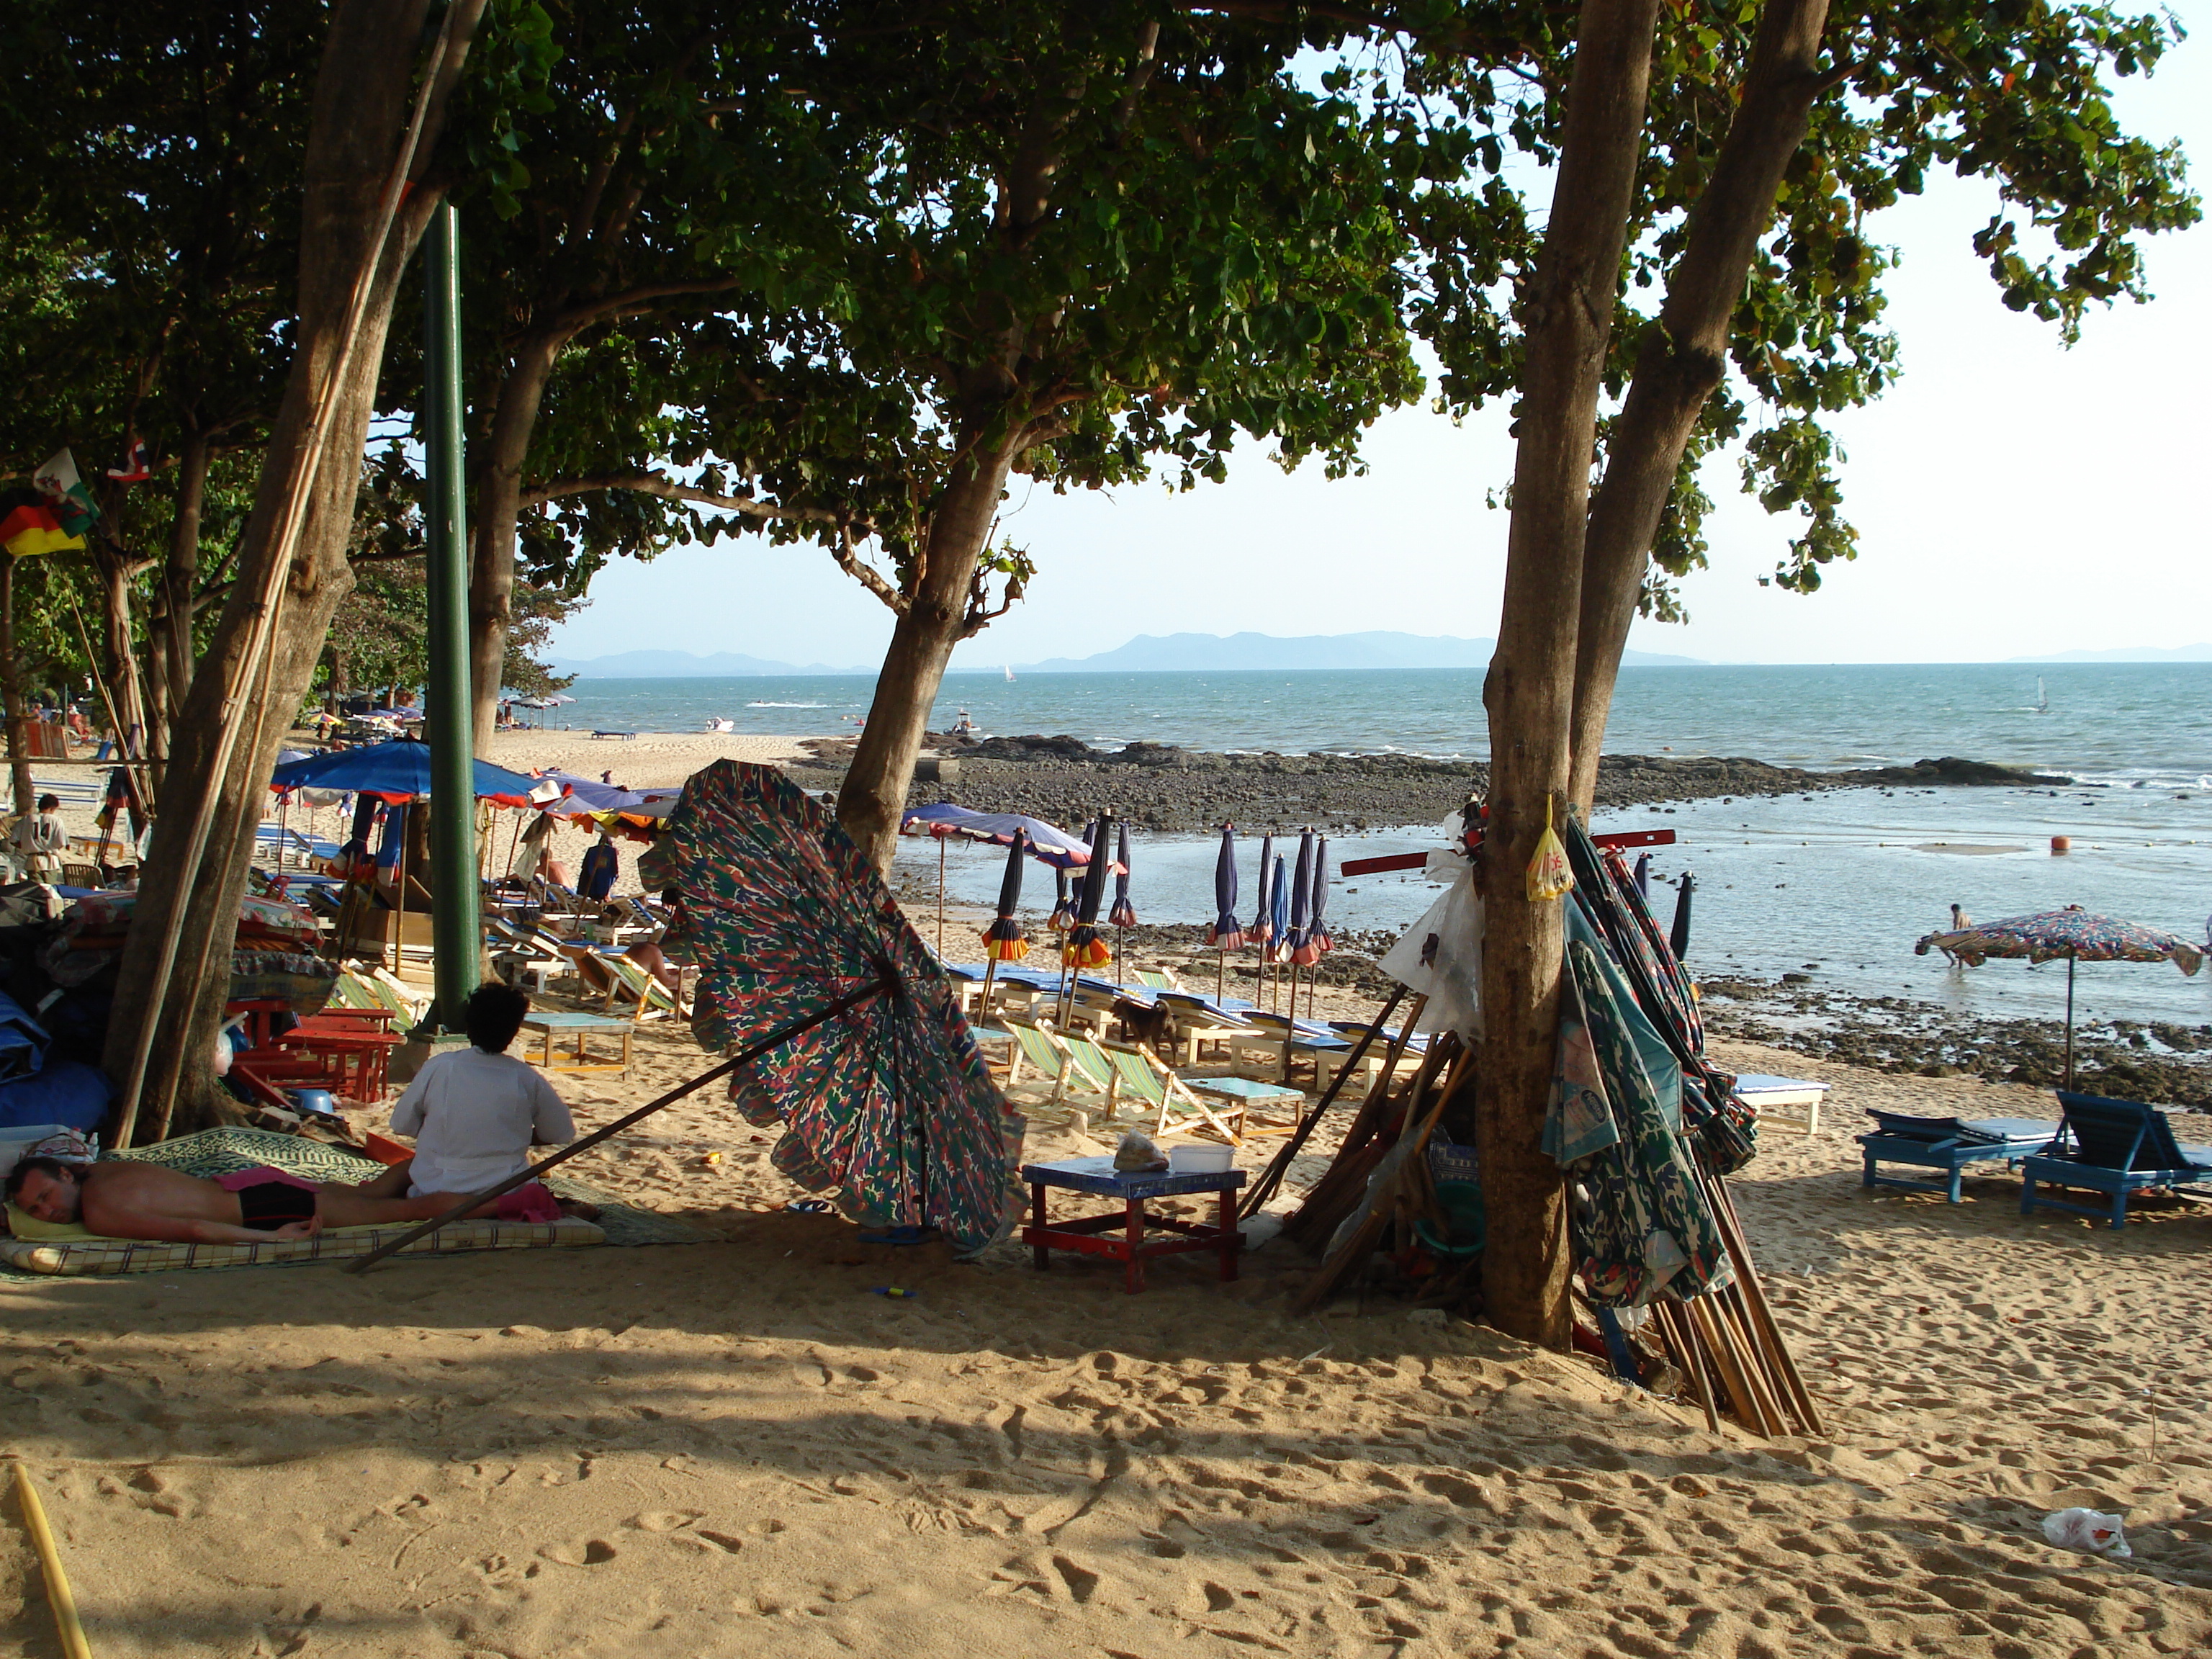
<point>786,705</point>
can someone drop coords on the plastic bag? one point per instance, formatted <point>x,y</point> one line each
<point>1549,877</point>
<point>1137,1153</point>
<point>2091,1530</point>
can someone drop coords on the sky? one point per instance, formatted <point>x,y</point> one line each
<point>2013,497</point>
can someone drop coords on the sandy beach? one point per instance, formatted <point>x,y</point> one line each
<point>734,1448</point>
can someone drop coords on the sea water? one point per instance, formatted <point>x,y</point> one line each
<point>1838,885</point>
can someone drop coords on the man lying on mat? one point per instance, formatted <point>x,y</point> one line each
<point>125,1199</point>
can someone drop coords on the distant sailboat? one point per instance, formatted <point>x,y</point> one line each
<point>1009,667</point>
<point>2042,698</point>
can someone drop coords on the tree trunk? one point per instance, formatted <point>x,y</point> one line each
<point>873,795</point>
<point>499,500</point>
<point>1529,689</point>
<point>11,693</point>
<point>1683,356</point>
<point>258,667</point>
<point>118,651</point>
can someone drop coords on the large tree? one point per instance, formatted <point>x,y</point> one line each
<point>370,179</point>
<point>1769,137</point>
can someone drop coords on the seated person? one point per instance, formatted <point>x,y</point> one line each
<point>600,866</point>
<point>647,954</point>
<point>476,1112</point>
<point>125,1199</point>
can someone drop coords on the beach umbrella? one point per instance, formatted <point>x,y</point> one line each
<point>1643,876</point>
<point>1301,949</point>
<point>1123,915</point>
<point>396,771</point>
<point>1083,947</point>
<point>889,1109</point>
<point>1678,936</point>
<point>1263,921</point>
<point>1063,904</point>
<point>1226,934</point>
<point>2076,934</point>
<point>1317,938</point>
<point>1049,843</point>
<point>1004,940</point>
<point>1279,905</point>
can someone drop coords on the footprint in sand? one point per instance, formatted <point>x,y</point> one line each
<point>589,1554</point>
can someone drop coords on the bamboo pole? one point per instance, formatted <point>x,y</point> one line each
<point>744,1056</point>
<point>257,660</point>
<point>58,1595</point>
<point>1722,1205</point>
<point>1271,1177</point>
<point>1674,1325</point>
<point>1728,1311</point>
<point>1725,1360</point>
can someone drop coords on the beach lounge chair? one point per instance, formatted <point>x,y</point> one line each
<point>1948,1145</point>
<point>648,997</point>
<point>1142,1077</point>
<point>1199,1022</point>
<point>1034,1047</point>
<point>2115,1147</point>
<point>1156,979</point>
<point>1070,1059</point>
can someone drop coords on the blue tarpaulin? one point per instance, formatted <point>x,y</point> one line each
<point>395,771</point>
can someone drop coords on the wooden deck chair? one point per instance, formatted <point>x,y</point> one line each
<point>1036,1048</point>
<point>649,998</point>
<point>1072,1060</point>
<point>1092,1065</point>
<point>1142,1078</point>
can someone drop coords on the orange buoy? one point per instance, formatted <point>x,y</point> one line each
<point>2061,844</point>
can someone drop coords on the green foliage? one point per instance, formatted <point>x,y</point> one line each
<point>2017,94</point>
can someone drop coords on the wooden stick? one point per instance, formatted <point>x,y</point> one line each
<point>744,1056</point>
<point>1725,1362</point>
<point>1674,1326</point>
<point>1380,1205</point>
<point>1722,1203</point>
<point>1271,1177</point>
<point>1728,1311</point>
<point>50,1564</point>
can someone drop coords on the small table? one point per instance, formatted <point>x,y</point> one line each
<point>1249,1097</point>
<point>1088,1234</point>
<point>1793,1102</point>
<point>581,1027</point>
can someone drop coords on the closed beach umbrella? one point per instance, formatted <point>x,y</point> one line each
<point>1678,936</point>
<point>1317,931</point>
<point>2076,934</point>
<point>1263,921</point>
<point>1123,914</point>
<point>1643,876</point>
<point>1004,940</point>
<point>1300,943</point>
<point>1278,911</point>
<point>1226,933</point>
<point>1063,904</point>
<point>1083,948</point>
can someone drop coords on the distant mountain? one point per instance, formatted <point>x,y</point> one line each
<point>1199,653</point>
<point>2127,653</point>
<point>684,666</point>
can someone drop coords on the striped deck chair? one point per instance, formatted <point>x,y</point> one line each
<point>649,998</point>
<point>1142,1077</point>
<point>1070,1059</point>
<point>1159,978</point>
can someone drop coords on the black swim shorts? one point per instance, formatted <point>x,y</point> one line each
<point>268,1205</point>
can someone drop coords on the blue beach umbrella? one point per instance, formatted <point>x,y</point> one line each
<point>396,771</point>
<point>1279,907</point>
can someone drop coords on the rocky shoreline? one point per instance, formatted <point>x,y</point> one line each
<point>1174,791</point>
<point>2165,1064</point>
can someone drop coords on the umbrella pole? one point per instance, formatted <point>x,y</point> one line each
<point>1221,975</point>
<point>399,895</point>
<point>990,973</point>
<point>744,1056</point>
<point>2070,960</point>
<point>940,898</point>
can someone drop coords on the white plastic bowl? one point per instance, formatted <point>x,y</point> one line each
<point>1200,1157</point>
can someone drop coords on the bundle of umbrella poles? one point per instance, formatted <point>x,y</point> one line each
<point>1645,1130</point>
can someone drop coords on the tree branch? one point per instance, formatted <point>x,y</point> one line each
<point>653,483</point>
<point>847,556</point>
<point>579,317</point>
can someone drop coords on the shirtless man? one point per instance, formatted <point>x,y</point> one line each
<point>126,1199</point>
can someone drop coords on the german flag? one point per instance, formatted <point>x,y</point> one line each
<point>29,526</point>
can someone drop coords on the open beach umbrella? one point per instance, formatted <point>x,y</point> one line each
<point>396,771</point>
<point>1047,842</point>
<point>887,1108</point>
<point>2076,934</point>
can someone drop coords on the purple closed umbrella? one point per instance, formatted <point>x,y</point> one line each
<point>1123,914</point>
<point>1227,933</point>
<point>1263,922</point>
<point>1317,931</point>
<point>1299,945</point>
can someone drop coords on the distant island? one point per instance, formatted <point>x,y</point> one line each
<point>1190,653</point>
<point>1148,654</point>
<point>2127,653</point>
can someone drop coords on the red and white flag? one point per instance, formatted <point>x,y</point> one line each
<point>137,469</point>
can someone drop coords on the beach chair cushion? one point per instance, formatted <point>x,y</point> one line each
<point>2126,1135</point>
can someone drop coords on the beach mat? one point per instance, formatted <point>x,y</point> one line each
<point>223,1151</point>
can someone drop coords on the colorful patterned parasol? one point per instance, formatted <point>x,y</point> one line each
<point>889,1109</point>
<point>2076,934</point>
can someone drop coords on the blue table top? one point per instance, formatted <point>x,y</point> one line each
<point>1099,1174</point>
<point>1242,1088</point>
<point>573,1021</point>
<point>1753,1082</point>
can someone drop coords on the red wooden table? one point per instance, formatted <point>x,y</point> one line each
<point>1095,1234</point>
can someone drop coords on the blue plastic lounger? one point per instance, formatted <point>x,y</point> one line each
<point>1948,1145</point>
<point>2119,1146</point>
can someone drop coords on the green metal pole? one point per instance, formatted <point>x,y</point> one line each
<point>457,927</point>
